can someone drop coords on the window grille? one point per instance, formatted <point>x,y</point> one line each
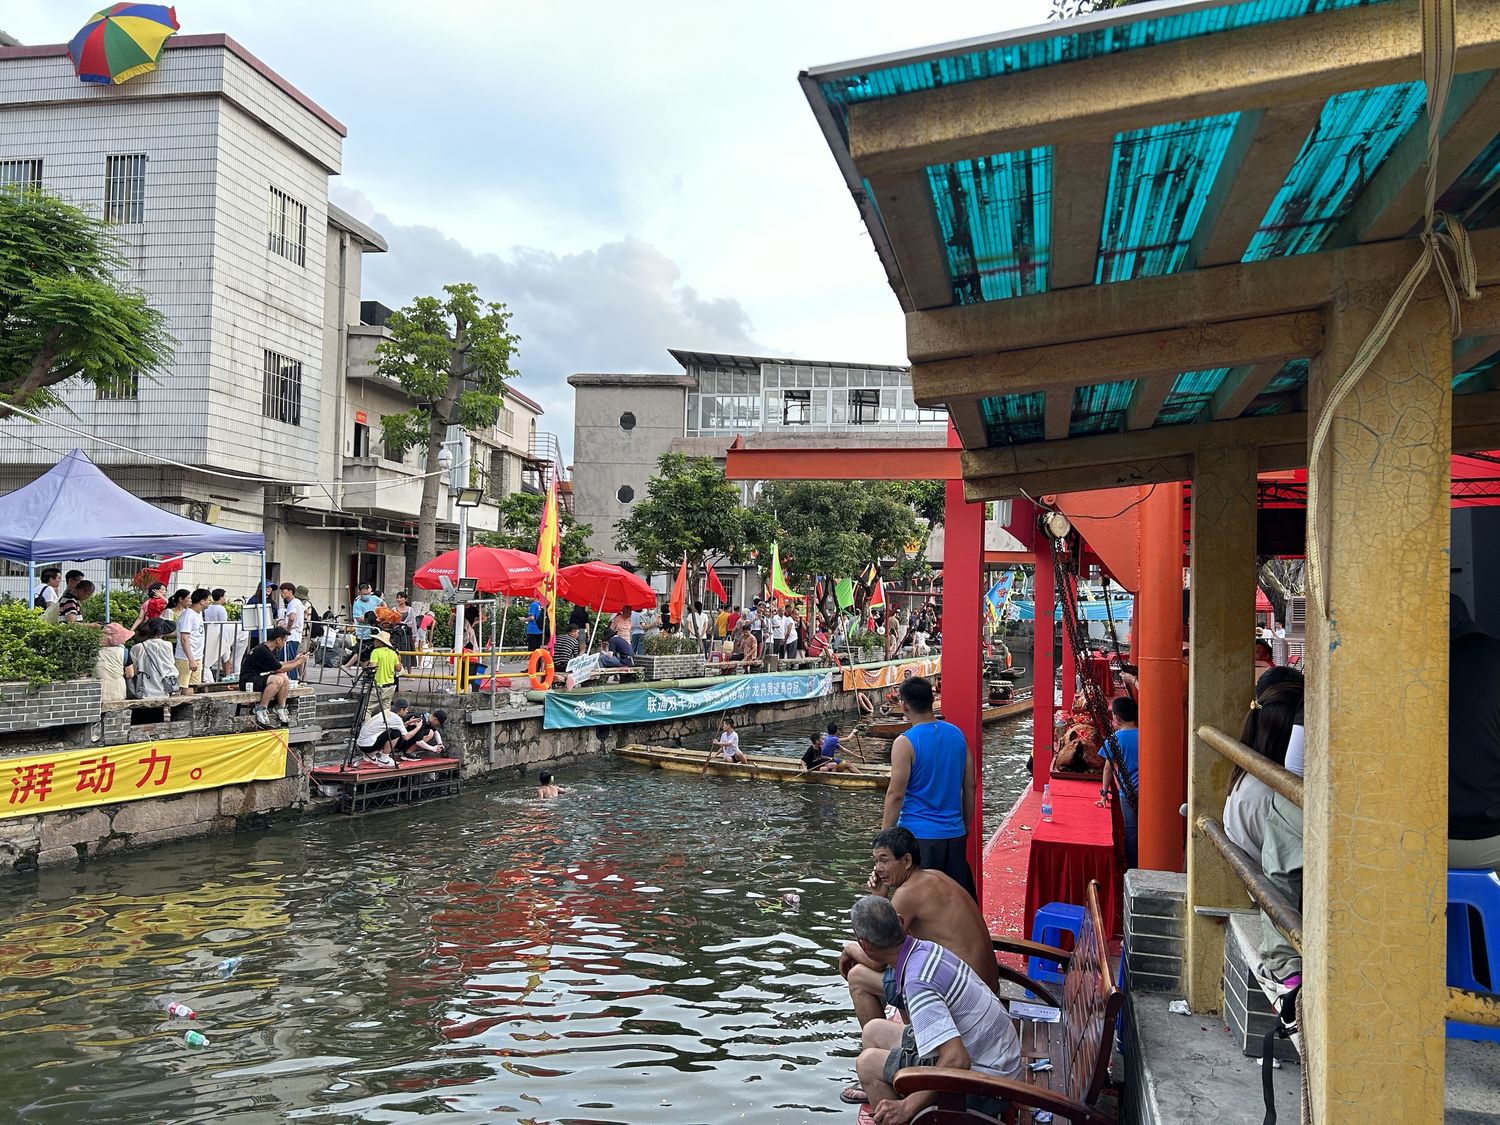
<point>125,391</point>
<point>125,189</point>
<point>26,174</point>
<point>287,228</point>
<point>281,396</point>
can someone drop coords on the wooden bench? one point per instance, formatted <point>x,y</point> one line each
<point>1078,1046</point>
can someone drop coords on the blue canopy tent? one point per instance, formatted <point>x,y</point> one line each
<point>75,512</point>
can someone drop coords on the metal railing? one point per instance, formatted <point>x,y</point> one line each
<point>1463,1005</point>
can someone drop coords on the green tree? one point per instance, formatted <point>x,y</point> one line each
<point>690,508</point>
<point>64,312</point>
<point>521,516</point>
<point>452,356</point>
<point>837,528</point>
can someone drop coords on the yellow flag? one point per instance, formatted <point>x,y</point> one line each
<point>548,555</point>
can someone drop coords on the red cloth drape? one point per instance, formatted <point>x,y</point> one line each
<point>1077,845</point>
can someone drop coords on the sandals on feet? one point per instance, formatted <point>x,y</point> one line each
<point>853,1095</point>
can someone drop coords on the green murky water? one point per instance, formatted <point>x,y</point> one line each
<point>621,955</point>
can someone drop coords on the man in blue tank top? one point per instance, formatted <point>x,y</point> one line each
<point>931,793</point>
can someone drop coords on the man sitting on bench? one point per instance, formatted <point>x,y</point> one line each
<point>933,908</point>
<point>956,1018</point>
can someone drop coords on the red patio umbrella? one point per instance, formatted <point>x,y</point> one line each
<point>500,570</point>
<point>604,587</point>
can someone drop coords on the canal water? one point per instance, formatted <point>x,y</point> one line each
<point>623,954</point>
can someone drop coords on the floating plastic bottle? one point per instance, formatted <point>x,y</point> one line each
<point>178,1010</point>
<point>229,965</point>
<point>195,1039</point>
<point>1047,802</point>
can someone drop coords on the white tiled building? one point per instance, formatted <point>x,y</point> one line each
<point>214,172</point>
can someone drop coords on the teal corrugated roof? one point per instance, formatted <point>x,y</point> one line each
<point>1355,133</point>
<point>996,218</point>
<point>842,90</point>
<point>1013,419</point>
<point>995,215</point>
<point>1159,181</point>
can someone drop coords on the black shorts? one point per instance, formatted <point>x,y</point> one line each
<point>951,857</point>
<point>906,1055</point>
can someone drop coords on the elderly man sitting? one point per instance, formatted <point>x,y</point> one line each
<point>956,1020</point>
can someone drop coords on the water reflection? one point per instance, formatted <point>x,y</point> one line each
<point>623,955</point>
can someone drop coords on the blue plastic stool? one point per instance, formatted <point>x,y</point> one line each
<point>1048,927</point>
<point>1472,892</point>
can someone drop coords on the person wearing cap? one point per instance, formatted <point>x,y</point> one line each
<point>385,665</point>
<point>265,672</point>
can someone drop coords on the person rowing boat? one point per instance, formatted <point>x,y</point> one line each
<point>727,745</point>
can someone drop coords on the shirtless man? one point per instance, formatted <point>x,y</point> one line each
<point>548,788</point>
<point>933,907</point>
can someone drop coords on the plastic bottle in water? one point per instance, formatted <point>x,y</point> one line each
<point>178,1010</point>
<point>229,965</point>
<point>1047,802</point>
<point>195,1039</point>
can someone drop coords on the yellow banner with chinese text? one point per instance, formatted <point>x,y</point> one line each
<point>106,775</point>
<point>888,675</point>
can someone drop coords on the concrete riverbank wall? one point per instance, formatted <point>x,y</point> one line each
<point>492,737</point>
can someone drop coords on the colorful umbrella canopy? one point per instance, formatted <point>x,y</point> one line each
<point>499,570</point>
<point>122,41</point>
<point>604,587</point>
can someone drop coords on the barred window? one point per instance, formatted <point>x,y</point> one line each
<point>21,173</point>
<point>287,227</point>
<point>124,391</point>
<point>281,395</point>
<point>125,188</point>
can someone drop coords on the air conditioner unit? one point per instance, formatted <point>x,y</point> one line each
<point>1296,613</point>
<point>299,492</point>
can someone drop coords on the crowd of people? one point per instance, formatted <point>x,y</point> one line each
<point>748,636</point>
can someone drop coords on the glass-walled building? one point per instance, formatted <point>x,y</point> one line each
<point>749,394</point>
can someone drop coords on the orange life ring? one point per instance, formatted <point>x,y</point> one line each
<point>541,669</point>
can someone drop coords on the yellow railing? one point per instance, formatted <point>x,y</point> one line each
<point>1463,1005</point>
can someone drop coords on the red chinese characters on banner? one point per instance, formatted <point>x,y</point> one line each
<point>149,761</point>
<point>34,779</point>
<point>99,775</point>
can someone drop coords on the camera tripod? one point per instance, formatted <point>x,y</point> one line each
<point>364,688</point>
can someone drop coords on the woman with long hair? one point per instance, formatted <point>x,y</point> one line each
<point>1268,730</point>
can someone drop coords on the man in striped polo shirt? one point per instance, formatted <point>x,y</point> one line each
<point>956,1020</point>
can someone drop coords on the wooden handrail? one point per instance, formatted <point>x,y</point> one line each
<point>1473,1007</point>
<point>1284,916</point>
<point>1279,778</point>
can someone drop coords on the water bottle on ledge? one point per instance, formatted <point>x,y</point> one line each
<point>1047,802</point>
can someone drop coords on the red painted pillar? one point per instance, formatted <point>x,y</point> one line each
<point>1043,667</point>
<point>1069,671</point>
<point>963,659</point>
<point>1163,687</point>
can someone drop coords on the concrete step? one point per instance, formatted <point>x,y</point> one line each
<point>1247,1012</point>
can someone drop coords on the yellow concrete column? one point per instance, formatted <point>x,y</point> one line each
<point>1222,631</point>
<point>1376,811</point>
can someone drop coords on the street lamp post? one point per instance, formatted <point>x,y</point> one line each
<point>464,497</point>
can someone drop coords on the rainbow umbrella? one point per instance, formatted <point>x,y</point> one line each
<point>122,41</point>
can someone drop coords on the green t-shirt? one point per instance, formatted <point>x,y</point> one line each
<point>386,663</point>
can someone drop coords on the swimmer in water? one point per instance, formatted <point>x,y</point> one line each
<point>548,789</point>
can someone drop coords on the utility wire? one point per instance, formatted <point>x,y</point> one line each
<point>242,477</point>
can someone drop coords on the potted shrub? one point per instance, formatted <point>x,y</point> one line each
<point>868,647</point>
<point>45,671</point>
<point>671,656</point>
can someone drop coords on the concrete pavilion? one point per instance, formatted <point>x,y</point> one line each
<point>1141,248</point>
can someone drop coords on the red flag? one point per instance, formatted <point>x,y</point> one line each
<point>678,603</point>
<point>877,594</point>
<point>715,587</point>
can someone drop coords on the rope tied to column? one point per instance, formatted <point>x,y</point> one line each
<point>1442,235</point>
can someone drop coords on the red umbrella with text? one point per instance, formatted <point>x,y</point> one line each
<point>497,570</point>
<point>604,587</point>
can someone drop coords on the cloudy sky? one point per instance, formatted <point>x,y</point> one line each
<point>626,177</point>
